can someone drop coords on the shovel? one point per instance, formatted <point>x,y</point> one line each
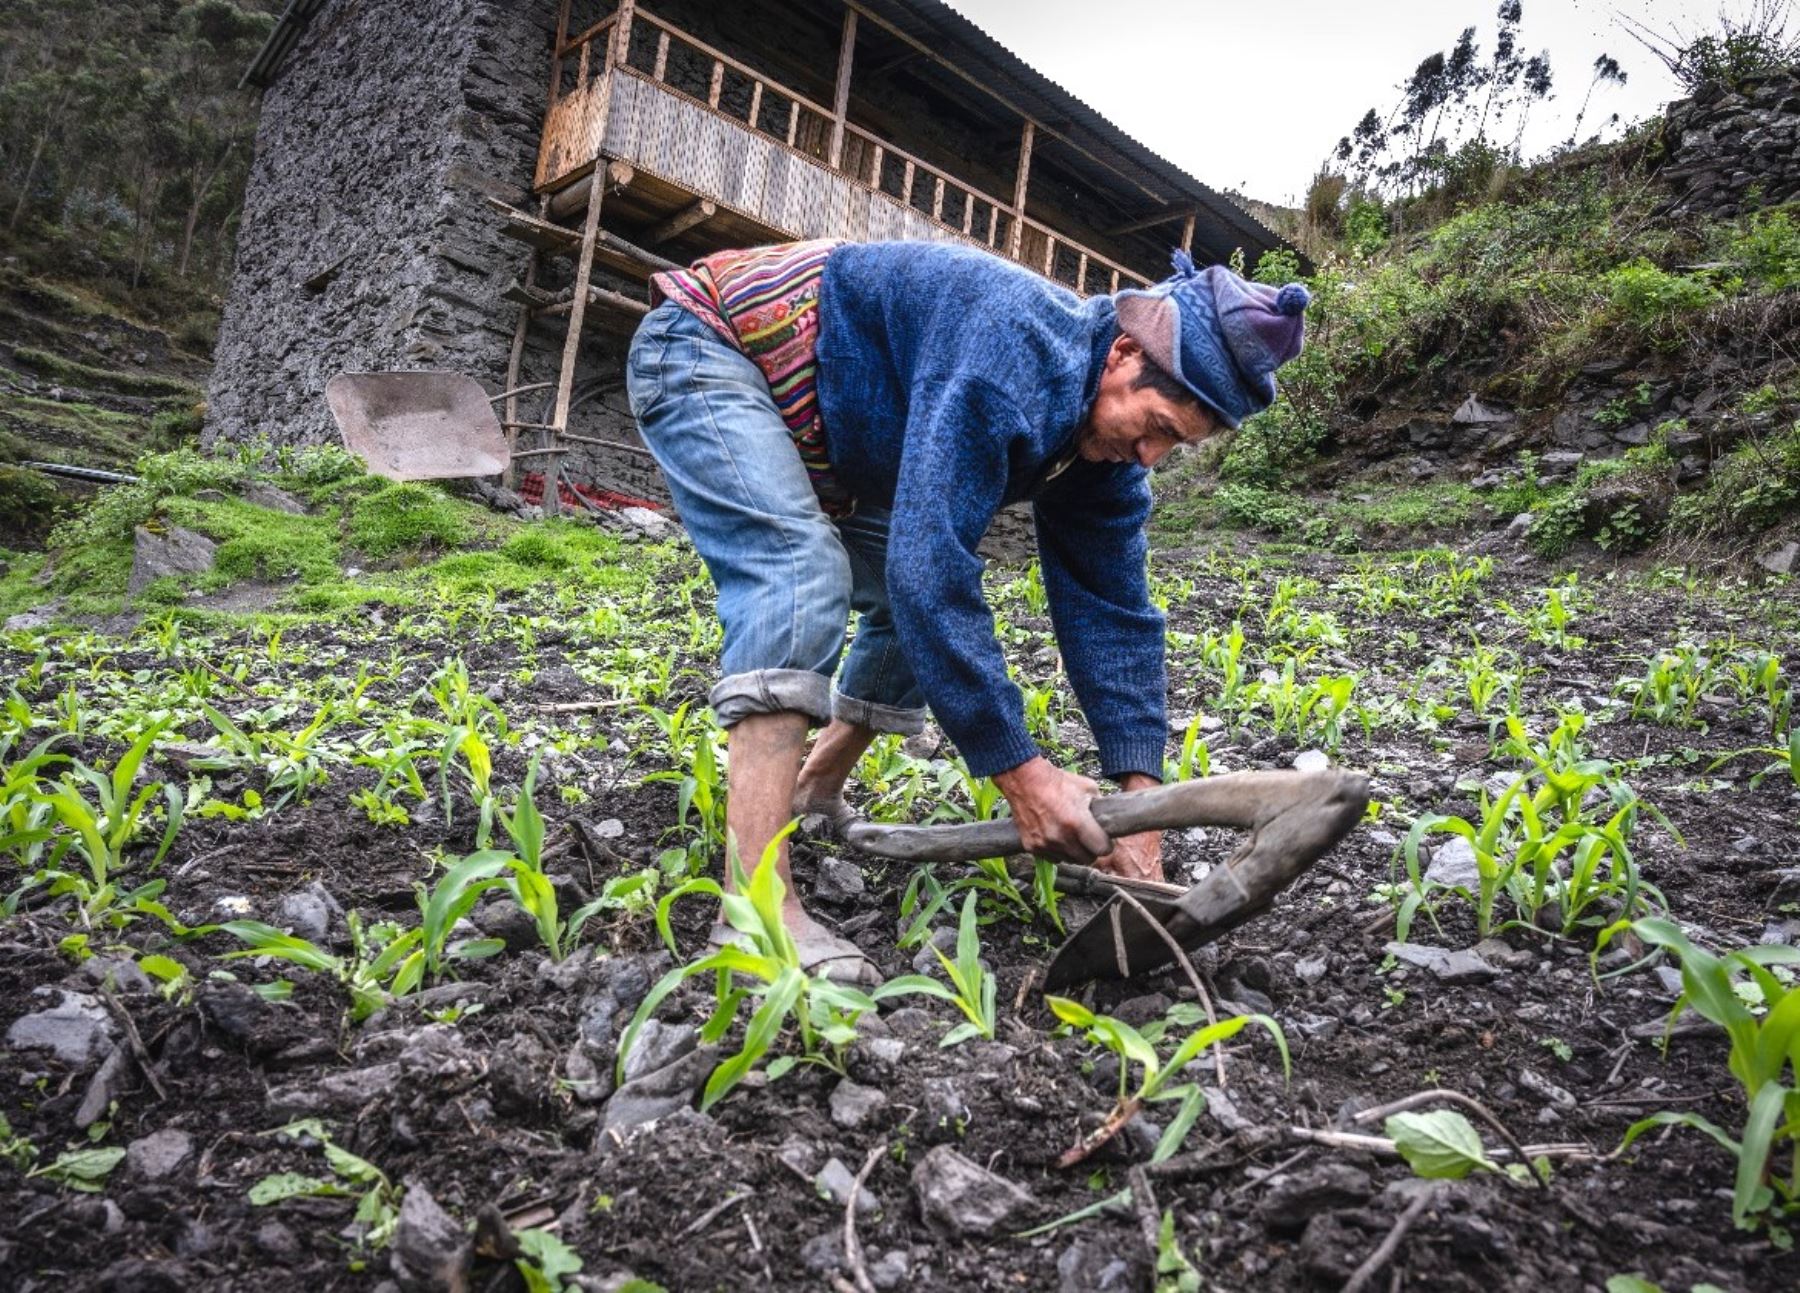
<point>1294,819</point>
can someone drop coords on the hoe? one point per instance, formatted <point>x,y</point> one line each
<point>1293,819</point>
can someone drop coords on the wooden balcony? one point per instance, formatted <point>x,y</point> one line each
<point>706,139</point>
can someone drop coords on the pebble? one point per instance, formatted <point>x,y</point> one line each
<point>839,881</point>
<point>1539,1085</point>
<point>1310,969</point>
<point>943,1113</point>
<point>853,1104</point>
<point>958,1197</point>
<point>232,906</point>
<point>1453,864</point>
<point>1312,761</point>
<point>160,1154</point>
<point>1289,1202</point>
<point>77,1029</point>
<point>308,913</point>
<point>1223,1110</point>
<point>1452,967</point>
<point>430,1249</point>
<point>657,1046</point>
<point>833,1183</point>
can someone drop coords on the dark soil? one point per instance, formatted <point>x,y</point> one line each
<point>491,1113</point>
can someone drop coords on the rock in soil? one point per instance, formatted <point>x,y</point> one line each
<point>1095,1267</point>
<point>657,1046</point>
<point>659,1094</point>
<point>840,881</point>
<point>158,1155</point>
<point>1292,1201</point>
<point>174,552</point>
<point>833,1184</point>
<point>943,1112</point>
<point>960,1198</point>
<point>431,1251</point>
<point>1451,967</point>
<point>853,1104</point>
<point>77,1029</point>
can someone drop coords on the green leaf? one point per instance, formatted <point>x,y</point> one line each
<point>82,1169</point>
<point>1439,1145</point>
<point>547,1259</point>
<point>1631,1284</point>
<point>293,1185</point>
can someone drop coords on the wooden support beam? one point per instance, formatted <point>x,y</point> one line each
<point>1149,222</point>
<point>1020,184</point>
<point>793,121</point>
<point>694,213</point>
<point>937,199</point>
<point>906,185</point>
<point>718,83</point>
<point>840,100</point>
<point>756,88</point>
<point>1187,234</point>
<point>662,56</point>
<point>572,201</point>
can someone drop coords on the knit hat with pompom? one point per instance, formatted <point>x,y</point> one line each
<point>1222,336</point>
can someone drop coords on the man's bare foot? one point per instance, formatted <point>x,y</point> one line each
<point>823,801</point>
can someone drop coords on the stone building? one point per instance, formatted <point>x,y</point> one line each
<point>462,184</point>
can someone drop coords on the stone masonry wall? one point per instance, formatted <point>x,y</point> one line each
<point>1730,151</point>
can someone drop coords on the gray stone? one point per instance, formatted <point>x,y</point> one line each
<point>77,1030</point>
<point>659,1094</point>
<point>924,961</point>
<point>1091,1267</point>
<point>160,1154</point>
<point>1539,1085</point>
<point>107,1085</point>
<point>1780,560</point>
<point>1497,951</point>
<point>852,1104</point>
<point>175,551</point>
<point>1311,761</point>
<point>234,1009</point>
<point>345,1092</point>
<point>121,973</point>
<point>431,1252</point>
<point>308,913</point>
<point>1289,1202</point>
<point>652,525</point>
<point>610,829</point>
<point>1314,1027</point>
<point>1452,967</point>
<point>798,1155</point>
<point>1453,864</point>
<point>1310,969</point>
<point>1472,412</point>
<point>1221,1108</point>
<point>874,1060</point>
<point>891,1270</point>
<point>1745,844</point>
<point>960,1198</point>
<point>840,881</point>
<point>1561,462</point>
<point>833,1184</point>
<point>276,1242</point>
<point>824,1254</point>
<point>38,617</point>
<point>276,500</point>
<point>657,1046</point>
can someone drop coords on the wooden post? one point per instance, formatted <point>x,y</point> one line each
<point>968,212</point>
<point>793,120</point>
<point>662,56</point>
<point>718,83</point>
<point>1017,241</point>
<point>755,102</point>
<point>840,101</point>
<point>562,34</point>
<point>1187,234</point>
<point>1081,274</point>
<point>937,200</point>
<point>906,185</point>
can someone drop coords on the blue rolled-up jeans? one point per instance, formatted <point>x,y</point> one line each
<point>788,576</point>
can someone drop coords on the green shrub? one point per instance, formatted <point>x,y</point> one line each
<point>1755,486</point>
<point>1556,523</point>
<point>30,504</point>
<point>1365,227</point>
<point>1766,246</point>
<point>1648,297</point>
<point>403,517</point>
<point>1255,508</point>
<point>120,509</point>
<point>1277,267</point>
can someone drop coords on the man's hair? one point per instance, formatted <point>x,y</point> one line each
<point>1151,374</point>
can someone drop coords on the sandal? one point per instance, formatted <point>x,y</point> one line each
<point>822,955</point>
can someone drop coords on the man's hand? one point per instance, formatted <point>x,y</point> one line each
<point>1136,857</point>
<point>1051,809</point>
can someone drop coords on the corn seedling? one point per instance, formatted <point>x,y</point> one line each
<point>1749,993</point>
<point>524,877</point>
<point>1157,1081</point>
<point>972,987</point>
<point>385,962</point>
<point>352,1177</point>
<point>1672,685</point>
<point>98,832</point>
<point>1195,759</point>
<point>824,1013</point>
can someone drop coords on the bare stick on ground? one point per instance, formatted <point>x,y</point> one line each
<point>1361,1277</point>
<point>852,1245</point>
<point>1182,959</point>
<point>1441,1095</point>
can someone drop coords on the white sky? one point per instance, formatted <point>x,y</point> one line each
<point>1253,96</point>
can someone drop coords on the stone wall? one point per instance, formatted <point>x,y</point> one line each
<point>1732,151</point>
<point>367,240</point>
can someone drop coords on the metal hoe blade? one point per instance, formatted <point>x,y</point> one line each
<point>418,425</point>
<point>1294,819</point>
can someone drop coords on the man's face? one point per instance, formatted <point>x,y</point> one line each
<point>1137,424</point>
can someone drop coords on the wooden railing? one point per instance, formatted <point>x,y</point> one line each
<point>679,62</point>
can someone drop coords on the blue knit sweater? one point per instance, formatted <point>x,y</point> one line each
<point>950,382</point>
